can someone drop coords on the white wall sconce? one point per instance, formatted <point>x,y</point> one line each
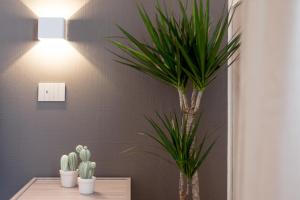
<point>51,28</point>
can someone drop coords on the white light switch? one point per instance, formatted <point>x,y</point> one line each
<point>52,92</point>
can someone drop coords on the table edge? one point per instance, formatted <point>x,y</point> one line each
<point>33,180</point>
<point>23,189</point>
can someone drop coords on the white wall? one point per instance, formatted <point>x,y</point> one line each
<point>266,103</point>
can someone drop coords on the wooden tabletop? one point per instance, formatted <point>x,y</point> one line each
<point>50,189</point>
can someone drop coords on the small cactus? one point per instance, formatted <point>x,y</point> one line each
<point>69,162</point>
<point>79,148</point>
<point>84,153</point>
<point>73,161</point>
<point>86,167</point>
<point>64,163</point>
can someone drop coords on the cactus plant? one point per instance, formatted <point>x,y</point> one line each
<point>64,163</point>
<point>79,148</point>
<point>86,167</point>
<point>73,161</point>
<point>84,153</point>
<point>69,162</point>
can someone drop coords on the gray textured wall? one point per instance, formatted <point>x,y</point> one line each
<point>105,104</point>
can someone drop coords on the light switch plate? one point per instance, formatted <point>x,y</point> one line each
<point>52,92</point>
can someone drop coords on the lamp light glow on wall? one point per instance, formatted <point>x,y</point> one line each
<point>51,28</point>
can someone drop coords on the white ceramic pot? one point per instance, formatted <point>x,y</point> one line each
<point>68,179</point>
<point>86,186</point>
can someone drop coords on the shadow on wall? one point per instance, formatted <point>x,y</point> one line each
<point>15,36</point>
<point>89,30</point>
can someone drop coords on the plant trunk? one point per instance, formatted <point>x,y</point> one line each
<point>182,192</point>
<point>190,113</point>
<point>183,197</point>
<point>195,187</point>
<point>188,188</point>
<point>195,180</point>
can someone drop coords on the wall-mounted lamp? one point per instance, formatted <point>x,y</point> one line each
<point>51,28</point>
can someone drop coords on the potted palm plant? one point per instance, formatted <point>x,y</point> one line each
<point>184,51</point>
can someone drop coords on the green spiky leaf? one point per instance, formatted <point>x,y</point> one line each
<point>182,146</point>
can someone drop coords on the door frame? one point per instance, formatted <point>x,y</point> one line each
<point>230,135</point>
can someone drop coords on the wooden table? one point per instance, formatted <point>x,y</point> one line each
<point>50,189</point>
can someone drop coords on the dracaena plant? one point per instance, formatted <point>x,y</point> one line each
<point>181,50</point>
<point>181,144</point>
